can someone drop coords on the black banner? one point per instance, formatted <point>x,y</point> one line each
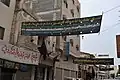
<point>106,69</point>
<point>96,61</point>
<point>76,26</point>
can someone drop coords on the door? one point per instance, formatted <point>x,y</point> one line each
<point>7,74</point>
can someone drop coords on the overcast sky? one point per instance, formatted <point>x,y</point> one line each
<point>105,42</point>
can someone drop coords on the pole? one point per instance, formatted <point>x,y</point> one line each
<point>14,22</point>
<point>53,75</point>
<point>81,69</point>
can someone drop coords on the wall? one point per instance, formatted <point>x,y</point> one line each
<point>6,16</point>
<point>67,13</point>
<point>45,9</point>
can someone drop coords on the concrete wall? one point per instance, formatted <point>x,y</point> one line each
<point>6,16</point>
<point>45,9</point>
<point>67,13</point>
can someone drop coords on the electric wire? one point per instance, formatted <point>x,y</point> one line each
<point>111,27</point>
<point>111,9</point>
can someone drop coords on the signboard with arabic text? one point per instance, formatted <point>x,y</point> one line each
<point>17,54</point>
<point>96,61</point>
<point>76,26</point>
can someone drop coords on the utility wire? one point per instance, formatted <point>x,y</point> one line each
<point>111,27</point>
<point>111,9</point>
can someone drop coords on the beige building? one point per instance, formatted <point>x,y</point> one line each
<point>10,23</point>
<point>6,16</point>
<point>14,58</point>
<point>58,10</point>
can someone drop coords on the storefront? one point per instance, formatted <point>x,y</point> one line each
<point>5,73</point>
<point>25,72</point>
<point>45,70</point>
<point>17,63</point>
<point>7,70</point>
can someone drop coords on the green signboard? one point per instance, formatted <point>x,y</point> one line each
<point>76,26</point>
<point>96,61</point>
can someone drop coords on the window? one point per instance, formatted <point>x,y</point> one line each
<point>66,72</point>
<point>73,74</point>
<point>77,47</point>
<point>71,42</point>
<point>78,8</point>
<point>66,4</point>
<point>49,42</point>
<point>73,1</point>
<point>53,45</point>
<point>72,12</point>
<point>38,40</point>
<point>6,2</point>
<point>2,30</point>
<point>64,17</point>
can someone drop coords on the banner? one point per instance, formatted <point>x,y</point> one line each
<point>17,54</point>
<point>96,61</point>
<point>76,26</point>
<point>118,45</point>
<point>67,44</point>
<point>106,69</point>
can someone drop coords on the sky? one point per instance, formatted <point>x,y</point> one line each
<point>105,42</point>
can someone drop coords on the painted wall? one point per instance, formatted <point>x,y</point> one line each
<point>6,16</point>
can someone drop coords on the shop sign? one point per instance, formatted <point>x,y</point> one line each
<point>97,61</point>
<point>16,54</point>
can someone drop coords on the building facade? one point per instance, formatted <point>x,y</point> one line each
<point>16,62</point>
<point>6,8</point>
<point>87,71</point>
<point>6,15</point>
<point>61,10</point>
<point>21,52</point>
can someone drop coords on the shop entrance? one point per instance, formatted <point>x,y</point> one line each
<point>7,74</point>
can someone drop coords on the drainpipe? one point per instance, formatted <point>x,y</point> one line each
<point>14,22</point>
